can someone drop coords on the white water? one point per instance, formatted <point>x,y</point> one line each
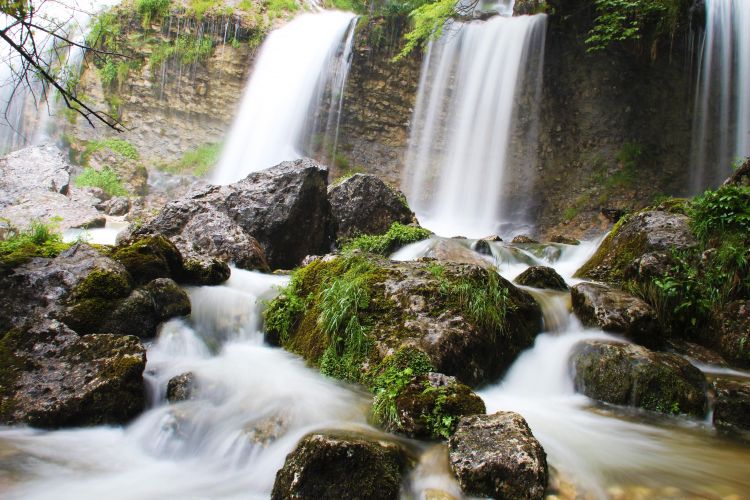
<point>457,166</point>
<point>27,107</point>
<point>210,447</point>
<point>722,109</point>
<point>275,109</point>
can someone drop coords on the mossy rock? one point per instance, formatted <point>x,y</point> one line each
<point>103,283</point>
<point>646,232</point>
<point>631,375</point>
<point>149,258</point>
<point>542,277</point>
<point>204,272</point>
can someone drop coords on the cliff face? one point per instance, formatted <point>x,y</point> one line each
<point>172,101</point>
<point>378,101</point>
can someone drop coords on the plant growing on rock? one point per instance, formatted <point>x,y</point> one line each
<point>397,236</point>
<point>105,179</point>
<point>40,239</point>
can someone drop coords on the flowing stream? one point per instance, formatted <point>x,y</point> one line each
<point>464,174</point>
<point>721,131</point>
<point>277,112</point>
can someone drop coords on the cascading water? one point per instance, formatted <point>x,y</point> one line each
<point>477,85</point>
<point>721,130</point>
<point>274,119</point>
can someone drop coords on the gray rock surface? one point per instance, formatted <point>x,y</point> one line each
<point>616,311</point>
<point>497,456</point>
<point>342,464</point>
<point>364,204</point>
<point>631,375</point>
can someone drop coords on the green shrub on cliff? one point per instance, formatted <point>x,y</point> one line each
<point>151,10</point>
<point>105,179</point>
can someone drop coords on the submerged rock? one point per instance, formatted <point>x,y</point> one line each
<point>732,405</point>
<point>497,456</point>
<point>342,464</point>
<point>633,238</point>
<point>181,388</point>
<point>430,406</point>
<point>51,377</point>
<point>284,208</point>
<point>631,375</point>
<point>542,277</point>
<point>364,204</point>
<point>615,311</point>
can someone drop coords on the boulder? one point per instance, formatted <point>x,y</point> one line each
<point>284,208</point>
<point>497,456</point>
<point>342,464</point>
<point>565,240</point>
<point>119,205</point>
<point>149,258</point>
<point>616,311</point>
<point>181,388</point>
<point>523,239</point>
<point>51,377</point>
<point>482,246</point>
<point>35,184</point>
<point>431,404</point>
<point>732,405</point>
<point>452,250</point>
<point>364,204</point>
<point>631,375</point>
<point>619,255</point>
<point>541,277</point>
<point>734,333</point>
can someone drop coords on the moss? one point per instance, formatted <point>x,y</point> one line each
<point>622,251</point>
<point>210,273</point>
<point>103,283</point>
<point>85,316</point>
<point>149,258</point>
<point>40,239</point>
<point>397,236</point>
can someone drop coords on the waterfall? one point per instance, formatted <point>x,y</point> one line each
<point>28,107</point>
<point>277,112</point>
<point>721,131</point>
<point>475,114</point>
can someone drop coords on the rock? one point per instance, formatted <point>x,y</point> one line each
<point>497,456</point>
<point>181,388</point>
<point>493,237</point>
<point>559,238</point>
<point>149,258</point>
<point>541,277</point>
<point>615,311</point>
<point>613,214</point>
<point>523,239</point>
<point>266,430</point>
<point>342,464</point>
<point>732,405</point>
<point>696,352</point>
<point>35,184</point>
<point>119,205</point>
<point>285,208</point>
<point>620,254</point>
<point>430,406</point>
<point>734,331</point>
<point>741,176</point>
<point>628,374</point>
<point>412,305</point>
<point>53,378</point>
<point>364,204</point>
<point>482,246</point>
<point>451,250</point>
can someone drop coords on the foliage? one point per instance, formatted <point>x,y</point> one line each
<point>428,20</point>
<point>104,32</point>
<point>119,146</point>
<point>484,304</point>
<point>151,10</point>
<point>40,239</point>
<point>397,236</point>
<point>197,162</point>
<point>185,48</point>
<point>279,8</point>
<point>623,20</point>
<point>440,424</point>
<point>105,179</point>
<point>726,209</point>
<point>108,72</point>
<point>391,377</point>
<point>281,314</point>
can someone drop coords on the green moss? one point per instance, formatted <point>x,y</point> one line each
<point>86,315</point>
<point>613,256</point>
<point>103,283</point>
<point>198,162</point>
<point>119,146</point>
<point>149,258</point>
<point>397,236</point>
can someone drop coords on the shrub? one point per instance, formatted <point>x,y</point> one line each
<point>119,146</point>
<point>717,212</point>
<point>151,10</point>
<point>38,240</point>
<point>105,179</point>
<point>397,236</point>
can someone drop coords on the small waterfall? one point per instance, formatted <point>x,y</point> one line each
<point>275,119</point>
<point>721,130</point>
<point>466,171</point>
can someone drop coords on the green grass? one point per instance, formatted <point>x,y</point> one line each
<point>119,146</point>
<point>280,8</point>
<point>198,162</point>
<point>40,239</point>
<point>105,179</point>
<point>152,10</point>
<point>397,236</point>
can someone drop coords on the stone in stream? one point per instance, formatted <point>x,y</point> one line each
<point>523,239</point>
<point>542,277</point>
<point>732,405</point>
<point>284,209</point>
<point>343,465</point>
<point>565,240</point>
<point>482,246</point>
<point>631,375</point>
<point>612,310</point>
<point>181,387</point>
<point>497,456</point>
<point>364,204</point>
<point>51,377</point>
